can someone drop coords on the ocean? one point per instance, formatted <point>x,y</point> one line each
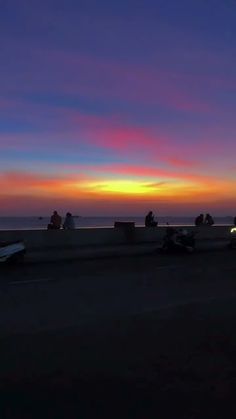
<point>40,223</point>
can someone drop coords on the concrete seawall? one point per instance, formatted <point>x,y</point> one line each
<point>96,237</point>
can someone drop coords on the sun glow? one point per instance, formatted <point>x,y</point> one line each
<point>127,187</point>
<point>152,188</point>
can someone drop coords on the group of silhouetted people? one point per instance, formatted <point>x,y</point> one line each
<point>69,223</point>
<point>56,222</point>
<point>204,221</point>
<point>199,221</point>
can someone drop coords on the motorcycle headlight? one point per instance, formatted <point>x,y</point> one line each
<point>233,230</point>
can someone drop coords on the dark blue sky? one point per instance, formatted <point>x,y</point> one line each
<point>131,91</point>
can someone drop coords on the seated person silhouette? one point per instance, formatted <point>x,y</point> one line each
<point>55,222</point>
<point>149,220</point>
<point>209,220</point>
<point>69,223</point>
<point>199,220</point>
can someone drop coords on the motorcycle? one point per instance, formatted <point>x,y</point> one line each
<point>232,244</point>
<point>178,241</point>
<point>12,251</point>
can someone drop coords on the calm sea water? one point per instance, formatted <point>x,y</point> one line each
<point>29,223</point>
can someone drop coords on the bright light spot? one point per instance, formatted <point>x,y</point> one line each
<point>126,187</point>
<point>233,230</point>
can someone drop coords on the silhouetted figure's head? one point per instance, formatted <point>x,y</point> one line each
<point>55,213</point>
<point>68,214</point>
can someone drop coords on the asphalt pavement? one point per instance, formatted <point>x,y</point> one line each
<point>119,337</point>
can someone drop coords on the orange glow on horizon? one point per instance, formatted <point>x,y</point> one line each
<point>125,187</point>
<point>133,192</point>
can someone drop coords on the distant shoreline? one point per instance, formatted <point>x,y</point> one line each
<point>81,222</point>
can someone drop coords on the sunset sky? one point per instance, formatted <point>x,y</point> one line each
<point>117,107</point>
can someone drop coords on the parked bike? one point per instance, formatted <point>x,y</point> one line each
<point>232,243</point>
<point>178,240</point>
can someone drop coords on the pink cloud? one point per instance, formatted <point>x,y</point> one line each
<point>77,128</point>
<point>65,125</point>
<point>55,126</point>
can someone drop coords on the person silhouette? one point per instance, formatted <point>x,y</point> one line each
<point>55,222</point>
<point>199,220</point>
<point>149,220</point>
<point>69,223</point>
<point>209,220</point>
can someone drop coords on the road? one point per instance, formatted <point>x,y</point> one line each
<point>55,296</point>
<point>118,332</point>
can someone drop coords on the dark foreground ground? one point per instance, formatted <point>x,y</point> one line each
<point>144,337</point>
